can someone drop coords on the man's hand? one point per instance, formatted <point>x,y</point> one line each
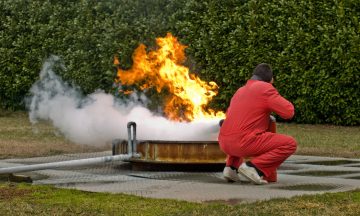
<point>221,122</point>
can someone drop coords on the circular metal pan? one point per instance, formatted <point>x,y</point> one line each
<point>175,155</point>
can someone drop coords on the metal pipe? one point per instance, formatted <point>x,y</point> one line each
<point>131,138</point>
<point>70,163</point>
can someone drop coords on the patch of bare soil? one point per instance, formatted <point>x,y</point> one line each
<point>11,192</point>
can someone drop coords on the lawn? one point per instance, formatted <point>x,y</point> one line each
<point>324,140</point>
<point>46,200</point>
<point>18,138</point>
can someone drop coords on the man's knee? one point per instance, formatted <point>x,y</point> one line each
<point>292,144</point>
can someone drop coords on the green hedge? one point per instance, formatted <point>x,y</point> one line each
<point>313,46</point>
<point>85,34</point>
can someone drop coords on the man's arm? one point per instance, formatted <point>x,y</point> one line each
<point>278,104</point>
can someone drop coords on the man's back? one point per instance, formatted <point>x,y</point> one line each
<point>250,108</point>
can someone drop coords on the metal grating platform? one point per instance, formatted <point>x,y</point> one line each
<point>297,176</point>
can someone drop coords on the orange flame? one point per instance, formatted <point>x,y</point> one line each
<point>161,69</point>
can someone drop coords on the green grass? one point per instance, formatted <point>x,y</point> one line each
<point>46,200</point>
<point>324,140</point>
<point>19,138</point>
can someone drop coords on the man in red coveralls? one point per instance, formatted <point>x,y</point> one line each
<point>244,131</point>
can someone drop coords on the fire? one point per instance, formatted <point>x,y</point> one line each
<point>162,69</point>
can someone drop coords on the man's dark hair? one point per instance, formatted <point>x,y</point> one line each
<point>263,72</point>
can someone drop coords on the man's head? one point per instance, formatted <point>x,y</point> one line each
<point>263,72</point>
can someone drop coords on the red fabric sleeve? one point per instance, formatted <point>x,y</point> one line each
<point>278,104</point>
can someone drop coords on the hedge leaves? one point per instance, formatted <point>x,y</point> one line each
<point>313,46</point>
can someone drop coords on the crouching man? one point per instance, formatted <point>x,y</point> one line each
<point>244,133</point>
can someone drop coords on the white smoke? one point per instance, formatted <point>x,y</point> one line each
<point>99,118</point>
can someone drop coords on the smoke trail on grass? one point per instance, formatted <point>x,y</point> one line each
<point>98,118</point>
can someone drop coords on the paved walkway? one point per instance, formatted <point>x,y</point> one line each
<point>297,176</point>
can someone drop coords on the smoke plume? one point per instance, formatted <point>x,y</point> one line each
<point>99,118</point>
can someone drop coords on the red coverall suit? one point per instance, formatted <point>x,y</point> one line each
<point>244,131</point>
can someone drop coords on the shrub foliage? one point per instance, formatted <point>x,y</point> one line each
<point>313,46</point>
